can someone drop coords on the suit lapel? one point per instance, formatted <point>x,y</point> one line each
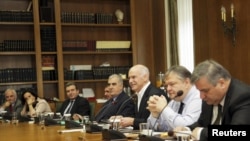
<point>143,103</point>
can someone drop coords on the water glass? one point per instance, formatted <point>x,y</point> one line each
<point>115,125</point>
<point>67,117</point>
<point>144,129</point>
<point>14,118</point>
<point>85,119</point>
<point>41,117</point>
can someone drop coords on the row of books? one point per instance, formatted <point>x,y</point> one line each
<point>97,72</point>
<point>29,74</point>
<point>26,45</point>
<point>68,45</point>
<point>66,17</point>
<point>17,45</point>
<point>87,17</point>
<point>16,16</point>
<point>78,75</point>
<point>50,75</point>
<point>17,75</point>
<point>48,38</point>
<point>79,45</point>
<point>92,45</point>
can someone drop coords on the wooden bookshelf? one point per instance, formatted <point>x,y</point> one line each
<point>72,31</point>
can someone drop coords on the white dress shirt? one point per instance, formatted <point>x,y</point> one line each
<point>141,93</point>
<point>169,118</point>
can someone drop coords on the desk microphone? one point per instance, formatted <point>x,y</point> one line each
<point>179,93</point>
<point>120,109</point>
<point>172,133</point>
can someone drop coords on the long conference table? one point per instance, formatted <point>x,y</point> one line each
<point>25,131</point>
<point>34,132</point>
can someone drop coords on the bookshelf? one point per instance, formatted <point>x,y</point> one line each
<point>57,24</point>
<point>96,27</point>
<point>17,46</point>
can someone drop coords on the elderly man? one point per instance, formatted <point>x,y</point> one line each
<point>141,85</point>
<point>118,104</point>
<point>12,103</point>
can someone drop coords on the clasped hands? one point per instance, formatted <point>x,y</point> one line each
<point>156,104</point>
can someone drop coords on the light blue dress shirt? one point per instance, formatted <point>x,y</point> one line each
<point>169,118</point>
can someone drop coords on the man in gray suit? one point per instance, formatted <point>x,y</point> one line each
<point>12,103</point>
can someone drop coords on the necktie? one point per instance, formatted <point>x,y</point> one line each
<point>219,114</point>
<point>181,108</point>
<point>11,108</point>
<point>69,107</point>
<point>135,98</point>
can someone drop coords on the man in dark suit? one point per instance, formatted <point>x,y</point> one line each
<point>218,89</point>
<point>75,105</point>
<point>141,85</point>
<point>119,104</point>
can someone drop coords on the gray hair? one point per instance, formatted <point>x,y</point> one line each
<point>119,77</point>
<point>142,69</point>
<point>210,69</point>
<point>181,71</point>
<point>13,91</point>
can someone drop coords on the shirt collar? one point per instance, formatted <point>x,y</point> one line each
<point>142,91</point>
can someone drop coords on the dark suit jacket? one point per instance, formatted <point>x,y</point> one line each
<point>123,105</point>
<point>235,111</point>
<point>17,108</point>
<point>81,106</point>
<point>143,113</point>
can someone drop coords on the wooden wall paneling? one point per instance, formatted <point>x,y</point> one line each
<point>144,39</point>
<point>211,42</point>
<point>159,36</point>
<point>201,45</point>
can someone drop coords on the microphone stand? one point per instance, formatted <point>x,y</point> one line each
<point>179,93</point>
<point>120,110</point>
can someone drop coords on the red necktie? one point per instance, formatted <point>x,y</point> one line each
<point>11,108</point>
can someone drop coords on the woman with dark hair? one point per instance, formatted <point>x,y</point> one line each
<point>33,105</point>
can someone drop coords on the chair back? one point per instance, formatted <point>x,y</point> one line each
<point>92,110</point>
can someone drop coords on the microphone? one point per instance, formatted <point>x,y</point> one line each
<point>179,93</point>
<point>173,133</point>
<point>120,108</point>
